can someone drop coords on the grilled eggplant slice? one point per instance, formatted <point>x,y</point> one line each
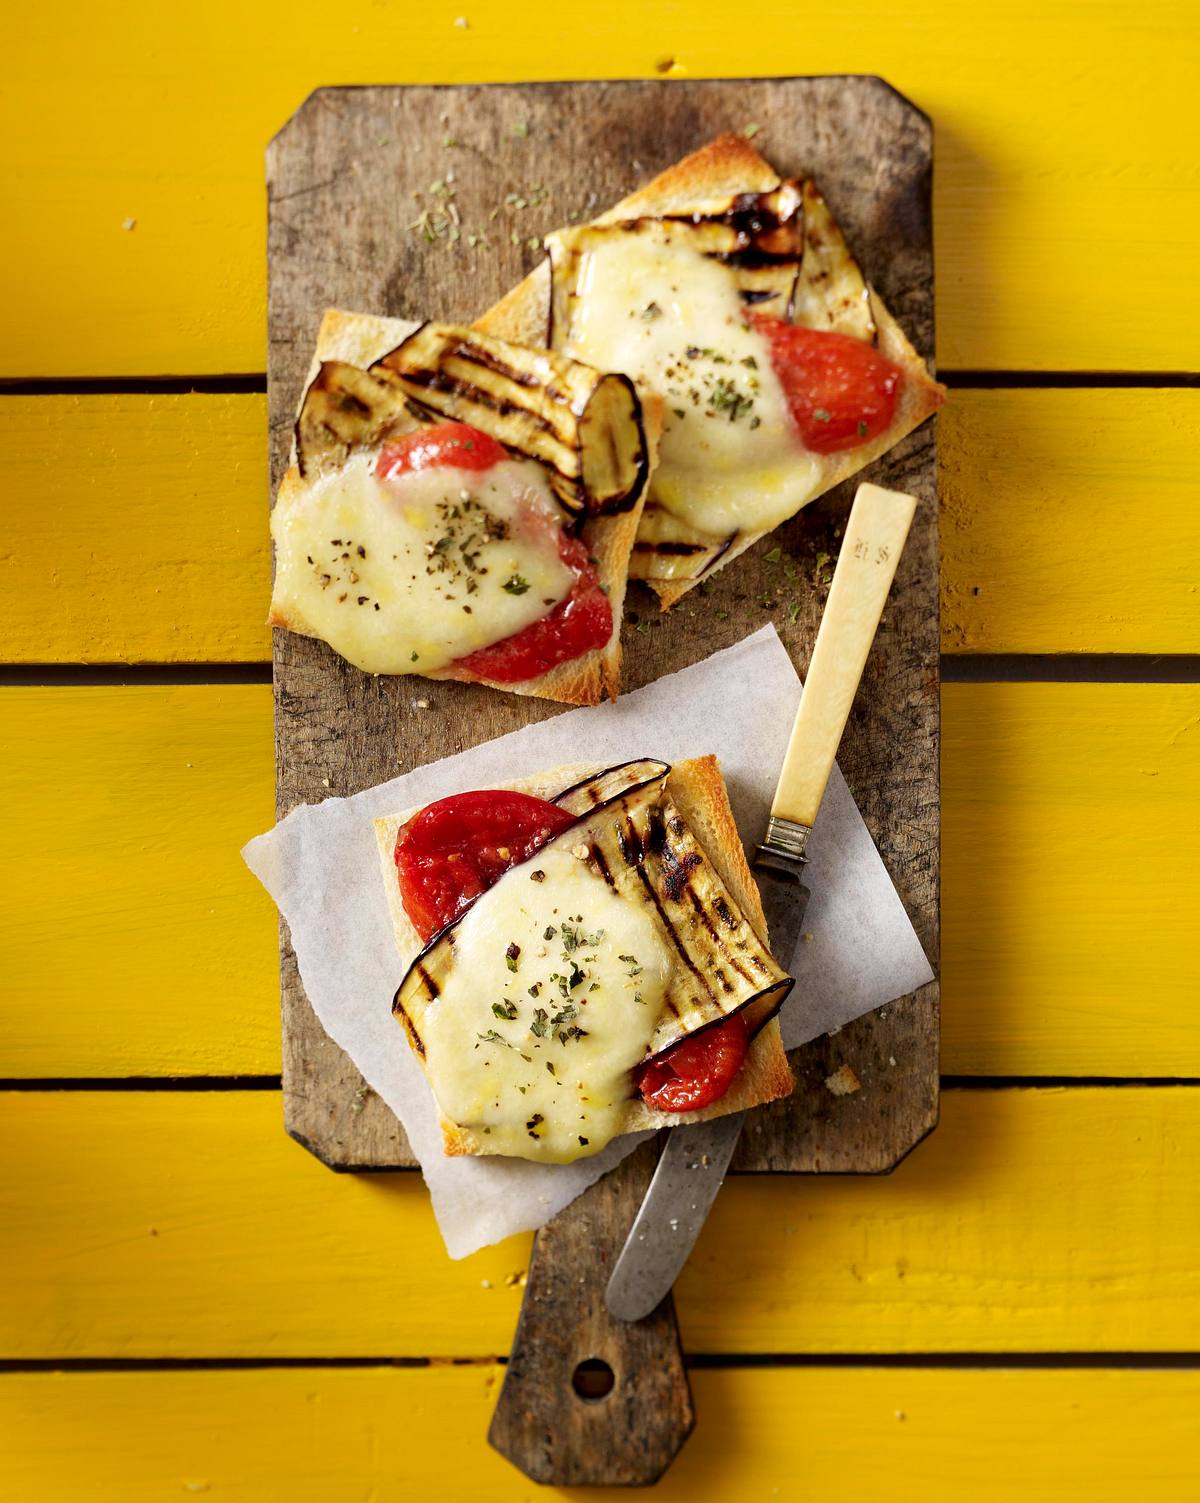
<point>584,425</point>
<point>832,292</point>
<point>344,409</point>
<point>667,547</point>
<point>641,846</point>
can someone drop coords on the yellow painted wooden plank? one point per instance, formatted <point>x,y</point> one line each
<point>137,529</point>
<point>141,525</point>
<point>1067,206</point>
<point>1070,871</point>
<point>134,939</point>
<point>173,1224</point>
<point>1070,874</point>
<point>311,1435</point>
<point>1070,521</point>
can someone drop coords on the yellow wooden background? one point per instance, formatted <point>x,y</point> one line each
<point>190,1304</point>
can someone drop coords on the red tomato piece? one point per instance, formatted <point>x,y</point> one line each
<point>841,391</point>
<point>576,625</point>
<point>458,847</point>
<point>698,1070</point>
<point>455,445</point>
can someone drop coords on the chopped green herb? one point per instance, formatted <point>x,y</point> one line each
<point>511,956</point>
<point>821,415</point>
<point>492,1037</point>
<point>650,312</point>
<point>515,585</point>
<point>863,428</point>
<point>551,931</point>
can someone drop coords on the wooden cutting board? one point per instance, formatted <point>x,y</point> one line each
<point>348,177</point>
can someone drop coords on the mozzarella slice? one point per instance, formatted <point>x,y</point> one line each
<point>407,575</point>
<point>650,305</point>
<point>548,1007</point>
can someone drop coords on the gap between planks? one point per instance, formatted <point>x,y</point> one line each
<point>19,1083</point>
<point>956,668</point>
<point>252,383</point>
<point>702,1361</point>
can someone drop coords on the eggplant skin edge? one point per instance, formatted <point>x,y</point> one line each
<point>539,403</point>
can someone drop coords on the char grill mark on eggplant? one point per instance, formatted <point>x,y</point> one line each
<point>602,787</point>
<point>831,291</point>
<point>584,425</point>
<point>414,1038</point>
<point>667,547</point>
<point>643,849</point>
<point>344,409</point>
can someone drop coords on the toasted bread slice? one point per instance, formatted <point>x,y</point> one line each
<point>699,792</point>
<point>701,184</point>
<point>360,339</point>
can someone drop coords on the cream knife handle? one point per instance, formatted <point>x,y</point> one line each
<point>875,536</point>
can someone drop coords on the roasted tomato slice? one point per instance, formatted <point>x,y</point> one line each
<point>450,445</point>
<point>841,391</point>
<point>458,847</point>
<point>577,624</point>
<point>697,1071</point>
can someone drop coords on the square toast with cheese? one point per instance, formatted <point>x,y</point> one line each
<point>697,791</point>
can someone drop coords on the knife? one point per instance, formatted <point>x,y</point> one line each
<point>692,1165</point>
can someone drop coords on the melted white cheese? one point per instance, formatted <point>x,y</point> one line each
<point>406,575</point>
<point>730,459</point>
<point>525,1083</point>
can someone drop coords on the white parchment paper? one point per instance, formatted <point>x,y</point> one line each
<point>321,867</point>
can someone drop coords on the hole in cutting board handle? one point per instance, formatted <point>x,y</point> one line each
<point>593,1379</point>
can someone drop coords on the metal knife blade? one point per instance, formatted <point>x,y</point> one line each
<point>694,1161</point>
<point>692,1166</point>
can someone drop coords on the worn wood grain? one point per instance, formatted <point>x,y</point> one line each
<point>625,1434</point>
<point>1039,976</point>
<point>358,149</point>
<point>1031,171</point>
<point>918,1435</point>
<point>1036,487</point>
<point>185,1224</point>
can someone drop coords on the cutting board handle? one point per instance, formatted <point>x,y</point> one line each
<point>871,548</point>
<point>588,1400</point>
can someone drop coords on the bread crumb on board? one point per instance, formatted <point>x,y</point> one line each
<point>843,1082</point>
